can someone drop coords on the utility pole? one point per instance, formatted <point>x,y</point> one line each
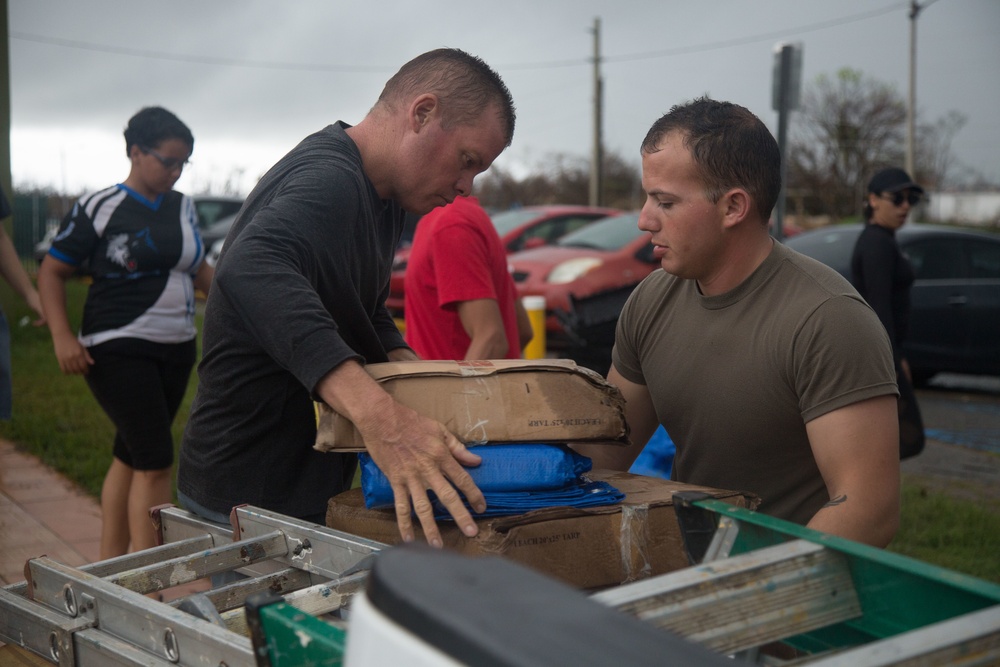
<point>597,159</point>
<point>5,172</point>
<point>911,107</point>
<point>786,84</point>
<point>911,110</point>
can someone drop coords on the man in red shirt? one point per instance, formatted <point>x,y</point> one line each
<point>460,300</point>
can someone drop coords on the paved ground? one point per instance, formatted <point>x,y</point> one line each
<point>42,513</point>
<point>962,419</point>
<point>957,471</point>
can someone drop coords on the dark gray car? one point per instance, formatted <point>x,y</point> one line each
<point>955,317</point>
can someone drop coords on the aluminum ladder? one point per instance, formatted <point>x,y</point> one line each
<point>100,614</point>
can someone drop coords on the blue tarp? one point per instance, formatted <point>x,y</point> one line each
<point>657,457</point>
<point>514,479</point>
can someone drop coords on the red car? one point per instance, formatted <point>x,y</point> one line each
<point>595,267</point>
<point>520,228</point>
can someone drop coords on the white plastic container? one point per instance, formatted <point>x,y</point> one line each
<point>375,640</point>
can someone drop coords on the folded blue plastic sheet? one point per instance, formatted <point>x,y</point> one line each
<point>657,457</point>
<point>577,494</point>
<point>514,479</point>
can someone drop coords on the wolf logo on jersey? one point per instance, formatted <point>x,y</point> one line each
<point>118,252</point>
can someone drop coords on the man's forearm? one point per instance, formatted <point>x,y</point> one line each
<point>487,347</point>
<point>349,390</point>
<point>483,323</point>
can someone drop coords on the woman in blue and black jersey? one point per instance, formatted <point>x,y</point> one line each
<point>139,241</point>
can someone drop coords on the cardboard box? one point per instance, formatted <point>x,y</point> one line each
<point>588,548</point>
<point>515,400</point>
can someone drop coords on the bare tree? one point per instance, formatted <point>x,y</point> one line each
<point>560,179</point>
<point>497,189</point>
<point>934,158</point>
<point>848,124</point>
<point>622,182</point>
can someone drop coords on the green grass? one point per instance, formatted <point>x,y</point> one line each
<point>57,419</point>
<point>954,533</point>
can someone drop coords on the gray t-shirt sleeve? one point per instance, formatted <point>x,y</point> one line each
<point>844,357</point>
<point>625,354</point>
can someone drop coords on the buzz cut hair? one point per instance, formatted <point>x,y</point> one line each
<point>730,147</point>
<point>465,85</point>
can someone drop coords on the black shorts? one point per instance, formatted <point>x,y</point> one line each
<point>140,385</point>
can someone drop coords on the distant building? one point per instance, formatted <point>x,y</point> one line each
<point>976,208</point>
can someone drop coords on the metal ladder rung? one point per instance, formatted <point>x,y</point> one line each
<point>233,595</point>
<point>174,524</point>
<point>323,551</point>
<point>325,598</point>
<point>138,559</point>
<point>185,569</point>
<point>111,566</point>
<point>747,600</point>
<point>315,600</point>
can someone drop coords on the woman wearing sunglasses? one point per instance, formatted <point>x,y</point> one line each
<point>883,276</point>
<point>136,345</point>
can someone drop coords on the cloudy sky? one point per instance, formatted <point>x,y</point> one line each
<point>252,78</point>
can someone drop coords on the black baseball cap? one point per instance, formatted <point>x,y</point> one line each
<point>892,179</point>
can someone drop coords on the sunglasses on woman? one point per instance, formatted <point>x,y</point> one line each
<point>897,198</point>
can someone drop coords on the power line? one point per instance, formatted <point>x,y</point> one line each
<point>712,46</point>
<point>200,60</point>
<point>575,62</point>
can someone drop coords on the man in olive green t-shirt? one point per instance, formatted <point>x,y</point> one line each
<point>769,372</point>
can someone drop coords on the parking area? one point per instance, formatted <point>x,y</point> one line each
<point>962,420</point>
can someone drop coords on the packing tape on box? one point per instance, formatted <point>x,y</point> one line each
<point>634,543</point>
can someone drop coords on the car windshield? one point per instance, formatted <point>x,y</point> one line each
<point>211,209</point>
<point>508,220</point>
<point>607,234</point>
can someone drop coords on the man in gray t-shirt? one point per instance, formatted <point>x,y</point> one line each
<point>769,372</point>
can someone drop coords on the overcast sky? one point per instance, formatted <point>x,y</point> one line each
<point>252,78</point>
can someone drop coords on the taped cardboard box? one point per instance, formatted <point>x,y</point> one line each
<point>514,400</point>
<point>588,548</point>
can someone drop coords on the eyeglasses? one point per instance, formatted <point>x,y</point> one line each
<point>169,163</point>
<point>897,198</point>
